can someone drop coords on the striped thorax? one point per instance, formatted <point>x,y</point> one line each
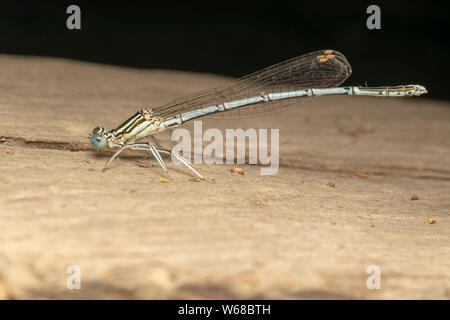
<point>143,123</point>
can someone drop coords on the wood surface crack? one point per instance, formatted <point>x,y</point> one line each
<point>372,169</point>
<point>45,144</point>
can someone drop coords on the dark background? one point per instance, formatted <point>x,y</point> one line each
<point>236,37</point>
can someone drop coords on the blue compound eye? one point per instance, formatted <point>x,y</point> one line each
<point>98,141</point>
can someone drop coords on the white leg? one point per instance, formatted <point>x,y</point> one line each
<point>114,156</point>
<point>146,146</point>
<point>182,160</point>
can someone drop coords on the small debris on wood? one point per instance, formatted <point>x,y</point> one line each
<point>431,221</point>
<point>415,197</point>
<point>163,180</point>
<point>238,170</point>
<point>331,184</point>
<point>360,174</point>
<point>258,203</point>
<point>195,179</point>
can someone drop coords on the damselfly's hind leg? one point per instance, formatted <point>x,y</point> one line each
<point>186,163</point>
<point>182,160</point>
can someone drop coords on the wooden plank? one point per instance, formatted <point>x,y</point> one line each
<point>284,236</point>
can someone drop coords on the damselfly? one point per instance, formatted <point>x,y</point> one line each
<point>273,88</point>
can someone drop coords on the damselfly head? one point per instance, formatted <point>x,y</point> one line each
<point>98,138</point>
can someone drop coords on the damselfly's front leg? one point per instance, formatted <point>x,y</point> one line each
<point>115,155</point>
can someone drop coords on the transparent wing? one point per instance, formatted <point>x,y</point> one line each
<point>319,69</point>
